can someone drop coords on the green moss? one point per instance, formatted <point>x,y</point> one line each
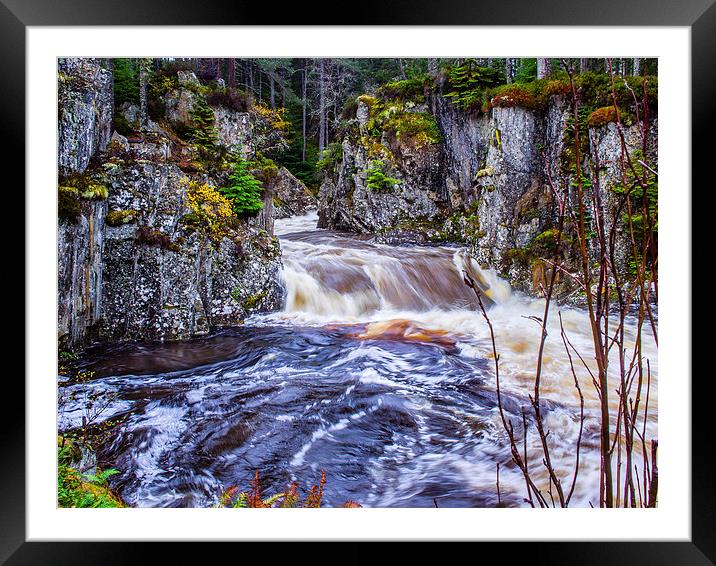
<point>413,89</point>
<point>487,171</point>
<point>374,149</point>
<point>542,245</point>
<point>254,300</point>
<point>251,302</point>
<point>463,226</point>
<point>420,128</point>
<point>84,186</point>
<point>120,217</point>
<point>370,101</point>
<point>263,168</point>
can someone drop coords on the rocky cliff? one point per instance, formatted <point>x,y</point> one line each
<point>135,260</point>
<point>474,178</point>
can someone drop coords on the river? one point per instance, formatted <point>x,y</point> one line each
<point>379,370</point>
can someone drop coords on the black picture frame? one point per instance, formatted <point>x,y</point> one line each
<point>699,15</point>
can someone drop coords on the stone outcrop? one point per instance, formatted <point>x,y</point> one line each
<point>131,267</point>
<point>80,252</point>
<point>290,196</point>
<point>163,279</point>
<point>86,105</point>
<point>346,202</point>
<point>484,184</point>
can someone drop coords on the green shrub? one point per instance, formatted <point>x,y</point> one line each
<point>244,190</point>
<point>467,83</point>
<point>331,156</point>
<point>376,180</point>
<point>411,89</point>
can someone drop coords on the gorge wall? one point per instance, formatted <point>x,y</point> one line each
<point>133,261</point>
<point>478,179</point>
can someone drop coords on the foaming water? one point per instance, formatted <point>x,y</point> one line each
<point>378,370</point>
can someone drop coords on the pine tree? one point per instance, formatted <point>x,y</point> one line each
<point>244,190</point>
<point>126,84</point>
<point>204,134</point>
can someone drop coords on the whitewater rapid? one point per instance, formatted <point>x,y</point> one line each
<point>379,370</point>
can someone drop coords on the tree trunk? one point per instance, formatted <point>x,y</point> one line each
<point>304,112</point>
<point>544,68</point>
<point>143,111</point>
<point>321,106</point>
<point>272,84</point>
<point>585,65</point>
<point>231,73</point>
<point>402,70</point>
<point>509,70</point>
<point>636,67</point>
<point>433,67</point>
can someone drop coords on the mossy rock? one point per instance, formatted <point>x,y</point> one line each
<point>254,300</point>
<point>486,172</point>
<point>120,217</point>
<point>602,116</point>
<point>84,186</point>
<point>370,101</point>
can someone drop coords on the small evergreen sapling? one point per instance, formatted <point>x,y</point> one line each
<point>244,190</point>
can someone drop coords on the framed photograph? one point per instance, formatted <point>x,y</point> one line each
<point>405,271</point>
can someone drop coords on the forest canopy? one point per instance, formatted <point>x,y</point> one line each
<point>317,97</point>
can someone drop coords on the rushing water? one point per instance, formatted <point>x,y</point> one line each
<point>379,371</point>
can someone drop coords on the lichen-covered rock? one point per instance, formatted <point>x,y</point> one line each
<point>179,104</point>
<point>414,190</point>
<point>233,130</point>
<point>80,248</point>
<point>290,196</point>
<point>86,104</point>
<point>164,280</point>
<point>486,184</point>
<point>497,167</point>
<point>131,266</point>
